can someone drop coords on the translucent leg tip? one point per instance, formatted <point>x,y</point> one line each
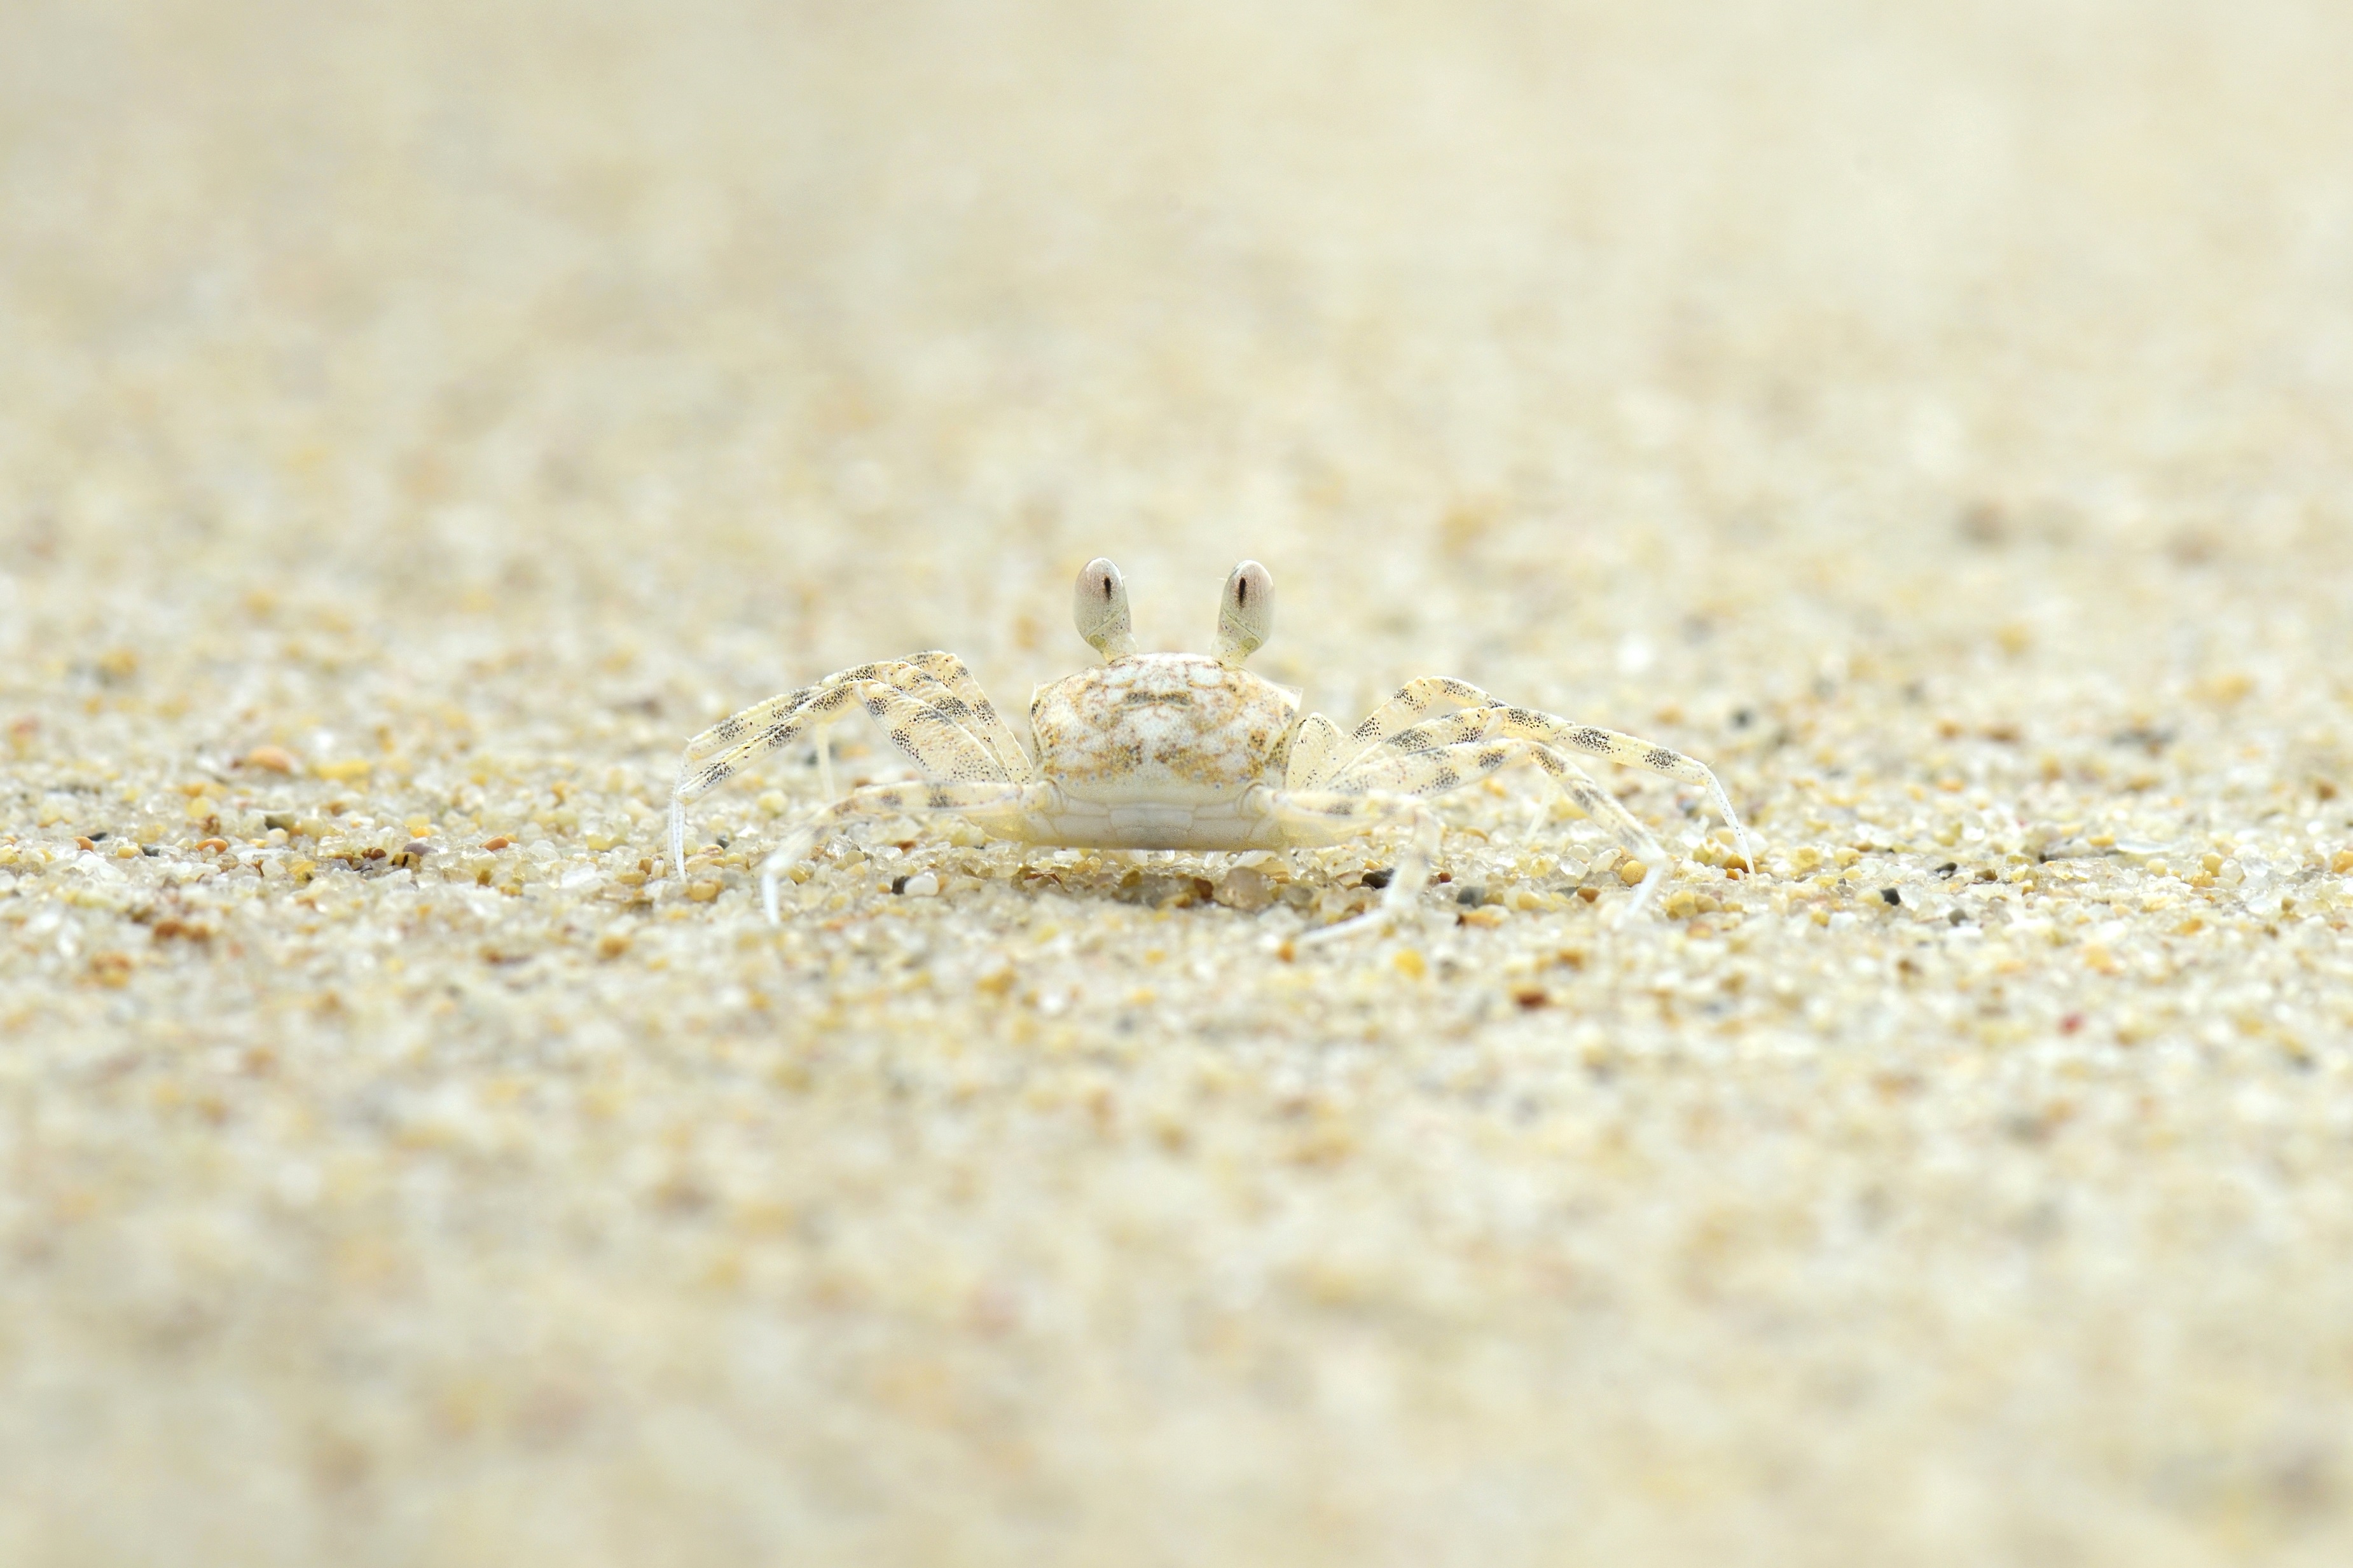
<point>1636,907</point>
<point>1370,920</point>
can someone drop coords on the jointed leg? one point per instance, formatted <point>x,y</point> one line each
<point>926,736</point>
<point>969,706</point>
<point>1327,817</point>
<point>1402,723</point>
<point>937,678</point>
<point>1001,805</point>
<point>1316,750</point>
<point>1448,767</point>
<point>1413,703</point>
<point>925,675</point>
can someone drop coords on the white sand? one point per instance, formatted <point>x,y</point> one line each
<point>1938,419</point>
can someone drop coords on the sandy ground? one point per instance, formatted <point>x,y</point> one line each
<point>415,422</point>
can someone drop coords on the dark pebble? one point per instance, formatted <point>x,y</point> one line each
<point>1891,895</point>
<point>1948,868</point>
<point>898,884</point>
<point>1379,877</point>
<point>98,839</point>
<point>1471,898</point>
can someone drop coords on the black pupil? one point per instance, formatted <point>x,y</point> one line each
<point>1241,592</point>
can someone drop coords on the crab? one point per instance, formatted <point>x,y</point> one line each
<point>1182,751</point>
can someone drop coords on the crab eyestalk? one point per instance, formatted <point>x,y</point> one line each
<point>1246,614</point>
<point>1099,603</point>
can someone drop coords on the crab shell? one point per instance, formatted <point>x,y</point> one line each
<point>1158,751</point>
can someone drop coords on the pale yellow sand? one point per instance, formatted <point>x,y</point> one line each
<point>1940,418</point>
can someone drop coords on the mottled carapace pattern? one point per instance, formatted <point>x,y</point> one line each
<point>1157,725</point>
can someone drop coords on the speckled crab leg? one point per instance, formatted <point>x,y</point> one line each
<point>935,677</point>
<point>1405,713</point>
<point>927,736</point>
<point>912,675</point>
<point>1317,750</point>
<point>1441,768</point>
<point>970,707</point>
<point>1005,808</point>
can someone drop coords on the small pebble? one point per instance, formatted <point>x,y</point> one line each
<point>1379,876</point>
<point>1890,896</point>
<point>1245,888</point>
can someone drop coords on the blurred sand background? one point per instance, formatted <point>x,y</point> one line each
<point>415,419</point>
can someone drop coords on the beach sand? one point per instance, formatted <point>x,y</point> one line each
<point>416,420</point>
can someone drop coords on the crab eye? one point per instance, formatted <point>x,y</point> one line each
<point>1101,610</point>
<point>1246,614</point>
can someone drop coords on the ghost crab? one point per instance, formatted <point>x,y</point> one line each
<point>1178,751</point>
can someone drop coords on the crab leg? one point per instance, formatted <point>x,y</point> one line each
<point>999,804</point>
<point>909,675</point>
<point>925,735</point>
<point>1316,750</point>
<point>940,679</point>
<point>1402,716</point>
<point>1450,767</point>
<point>763,716</point>
<point>969,706</point>
<point>1326,816</point>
